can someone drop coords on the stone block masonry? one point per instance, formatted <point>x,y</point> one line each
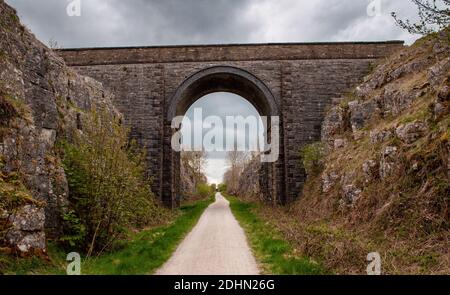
<point>295,81</point>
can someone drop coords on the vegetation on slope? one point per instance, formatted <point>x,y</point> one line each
<point>379,180</point>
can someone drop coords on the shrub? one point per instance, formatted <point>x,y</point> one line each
<point>313,157</point>
<point>108,189</point>
<point>74,230</point>
<point>204,190</point>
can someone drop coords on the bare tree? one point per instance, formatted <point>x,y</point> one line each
<point>236,160</point>
<point>53,44</point>
<point>434,15</point>
<point>196,160</point>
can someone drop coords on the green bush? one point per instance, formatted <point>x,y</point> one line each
<point>313,156</point>
<point>74,230</point>
<point>204,190</point>
<point>108,189</point>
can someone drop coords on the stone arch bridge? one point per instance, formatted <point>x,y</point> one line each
<point>295,81</point>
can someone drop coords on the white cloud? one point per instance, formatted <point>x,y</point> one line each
<point>214,170</point>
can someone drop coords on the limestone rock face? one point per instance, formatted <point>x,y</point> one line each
<point>329,179</point>
<point>333,123</point>
<point>410,132</point>
<point>26,228</point>
<point>351,194</point>
<point>51,98</point>
<point>377,136</point>
<point>396,109</point>
<point>370,169</point>
<point>28,218</point>
<point>387,162</point>
<point>339,143</point>
<point>360,112</point>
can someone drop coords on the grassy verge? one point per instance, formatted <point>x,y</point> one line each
<point>142,253</point>
<point>275,255</point>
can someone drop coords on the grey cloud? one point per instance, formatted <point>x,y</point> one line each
<point>328,20</point>
<point>136,22</point>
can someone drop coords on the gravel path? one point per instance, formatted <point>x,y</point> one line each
<point>216,246</point>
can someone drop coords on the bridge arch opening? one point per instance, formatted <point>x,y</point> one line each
<point>223,79</point>
<point>221,120</point>
<point>219,80</point>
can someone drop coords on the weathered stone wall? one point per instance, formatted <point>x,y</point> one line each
<point>231,52</point>
<point>302,78</point>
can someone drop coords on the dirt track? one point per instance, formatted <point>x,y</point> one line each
<point>216,246</point>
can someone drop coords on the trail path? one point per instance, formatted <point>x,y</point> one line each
<point>216,246</point>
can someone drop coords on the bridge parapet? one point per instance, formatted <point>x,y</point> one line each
<point>231,52</point>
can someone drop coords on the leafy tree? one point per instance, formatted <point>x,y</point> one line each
<point>433,14</point>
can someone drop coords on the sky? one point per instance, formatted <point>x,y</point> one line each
<point>221,105</point>
<point>104,23</point>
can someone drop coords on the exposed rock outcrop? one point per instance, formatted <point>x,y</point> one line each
<point>26,231</point>
<point>386,181</point>
<point>49,99</point>
<point>399,104</point>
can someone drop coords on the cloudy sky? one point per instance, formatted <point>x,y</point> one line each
<point>157,22</point>
<point>220,106</point>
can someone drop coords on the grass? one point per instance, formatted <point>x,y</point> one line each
<point>2,54</point>
<point>143,253</point>
<point>276,255</point>
<point>54,264</point>
<point>12,107</point>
